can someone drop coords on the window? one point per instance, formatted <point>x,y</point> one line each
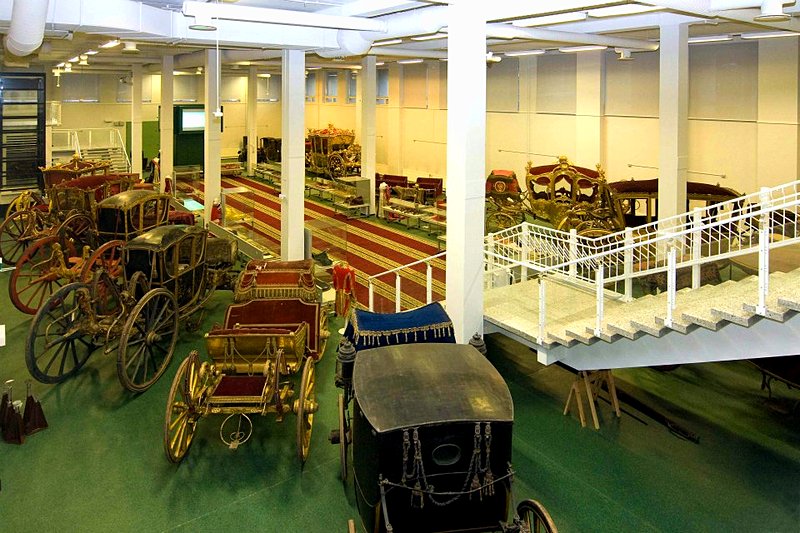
<point>352,86</point>
<point>311,87</point>
<point>331,86</point>
<point>80,88</point>
<point>269,88</point>
<point>125,89</point>
<point>382,91</point>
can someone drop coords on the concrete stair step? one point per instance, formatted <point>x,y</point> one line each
<point>739,317</point>
<point>678,324</point>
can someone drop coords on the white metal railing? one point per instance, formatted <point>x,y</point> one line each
<point>86,138</point>
<point>66,140</point>
<point>706,235</point>
<point>428,261</point>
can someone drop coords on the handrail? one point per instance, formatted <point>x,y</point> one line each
<point>397,281</point>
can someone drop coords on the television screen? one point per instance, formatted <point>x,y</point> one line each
<point>193,120</point>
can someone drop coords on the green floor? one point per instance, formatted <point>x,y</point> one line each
<point>101,466</point>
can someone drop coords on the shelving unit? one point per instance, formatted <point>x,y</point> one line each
<point>22,129</point>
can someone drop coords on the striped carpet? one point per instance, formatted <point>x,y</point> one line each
<point>369,246</point>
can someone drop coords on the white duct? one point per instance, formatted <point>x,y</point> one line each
<point>405,52</point>
<point>415,22</point>
<point>504,31</point>
<point>26,32</point>
<point>197,59</point>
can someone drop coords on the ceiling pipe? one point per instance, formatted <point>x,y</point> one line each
<point>416,22</point>
<point>26,32</point>
<point>405,52</point>
<point>504,31</point>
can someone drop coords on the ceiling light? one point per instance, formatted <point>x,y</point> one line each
<point>624,54</point>
<point>386,43</point>
<point>491,58</point>
<point>68,67</point>
<point>430,37</point>
<point>769,34</point>
<point>625,9</point>
<point>410,61</point>
<point>709,39</point>
<point>584,48</point>
<point>379,63</point>
<point>60,65</point>
<point>264,75</point>
<point>550,19</point>
<point>74,59</point>
<point>202,23</point>
<point>83,62</point>
<point>90,52</point>
<point>110,44</point>
<point>56,72</point>
<point>772,11</point>
<point>519,53</point>
<point>313,68</point>
<point>198,71</point>
<point>130,48</point>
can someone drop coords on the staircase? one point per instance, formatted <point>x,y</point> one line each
<point>97,144</point>
<point>115,154</point>
<point>572,299</point>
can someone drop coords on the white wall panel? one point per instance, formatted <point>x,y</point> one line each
<point>723,81</point>
<point>556,83</point>
<point>502,86</point>
<point>415,86</point>
<point>632,86</point>
<point>728,148</point>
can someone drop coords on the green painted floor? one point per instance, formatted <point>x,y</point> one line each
<point>101,466</point>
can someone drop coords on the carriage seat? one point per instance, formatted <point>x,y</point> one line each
<point>392,180</point>
<point>247,348</point>
<point>276,279</point>
<point>433,187</point>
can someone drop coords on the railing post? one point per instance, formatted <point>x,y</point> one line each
<point>628,264</point>
<point>671,267</point>
<point>526,255</point>
<point>573,252</point>
<point>697,241</point>
<point>763,251</point>
<point>371,295</point>
<point>429,284</point>
<point>598,326</point>
<point>397,293</point>
<point>490,251</point>
<point>542,309</point>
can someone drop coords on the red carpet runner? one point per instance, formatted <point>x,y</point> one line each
<point>369,247</point>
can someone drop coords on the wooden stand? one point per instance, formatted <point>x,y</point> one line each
<point>592,380</point>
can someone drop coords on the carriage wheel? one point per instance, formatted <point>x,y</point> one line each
<point>25,201</point>
<point>182,408</point>
<point>535,518</point>
<point>148,340</point>
<point>57,345</point>
<point>36,276</point>
<point>16,233</point>
<point>344,436</point>
<point>305,406</point>
<point>500,221</point>
<point>138,285</point>
<point>106,296</point>
<point>108,257</point>
<point>592,230</point>
<point>76,232</point>
<point>336,166</point>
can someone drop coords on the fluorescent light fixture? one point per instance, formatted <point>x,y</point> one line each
<point>388,42</point>
<point>625,9</point>
<point>74,59</point>
<point>379,63</point>
<point>313,68</point>
<point>430,37</point>
<point>264,75</point>
<point>585,48</point>
<point>91,52</point>
<point>111,44</point>
<point>410,61</point>
<point>520,53</point>
<point>769,34</point>
<point>61,65</point>
<point>709,39</point>
<point>443,59</point>
<point>550,19</point>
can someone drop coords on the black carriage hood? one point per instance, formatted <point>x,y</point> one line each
<point>162,237</point>
<point>423,384</point>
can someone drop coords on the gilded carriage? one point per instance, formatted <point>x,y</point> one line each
<point>562,194</point>
<point>331,151</point>
<point>275,332</point>
<point>131,307</point>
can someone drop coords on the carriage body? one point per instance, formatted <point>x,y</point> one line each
<point>130,213</point>
<point>74,168</point>
<point>432,429</point>
<point>276,279</point>
<point>333,153</point>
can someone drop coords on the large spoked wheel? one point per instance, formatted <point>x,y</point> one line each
<point>183,408</point>
<point>336,166</point>
<point>344,436</point>
<point>108,257</point>
<point>148,340</point>
<point>16,233</point>
<point>59,342</point>
<point>498,221</point>
<point>76,232</point>
<point>534,517</point>
<point>305,406</point>
<point>36,276</point>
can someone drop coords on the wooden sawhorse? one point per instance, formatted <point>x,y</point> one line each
<point>592,380</point>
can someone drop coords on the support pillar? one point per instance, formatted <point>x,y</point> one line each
<point>252,120</point>
<point>293,171</point>
<point>466,159</point>
<point>166,123</point>
<point>212,137</point>
<point>136,120</point>
<point>590,133</point>
<point>367,88</point>
<point>673,121</point>
<point>394,122</point>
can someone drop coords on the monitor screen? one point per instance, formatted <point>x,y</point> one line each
<point>193,120</point>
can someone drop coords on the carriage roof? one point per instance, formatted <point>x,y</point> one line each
<point>162,237</point>
<point>423,384</point>
<point>130,198</point>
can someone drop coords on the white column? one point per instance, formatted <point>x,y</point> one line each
<point>589,138</point>
<point>136,120</point>
<point>293,171</point>
<point>673,111</point>
<point>166,123</point>
<point>394,122</point>
<point>777,148</point>
<point>212,134</point>
<point>367,84</point>
<point>252,120</point>
<point>466,141</point>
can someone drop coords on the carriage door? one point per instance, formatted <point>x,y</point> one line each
<point>190,272</point>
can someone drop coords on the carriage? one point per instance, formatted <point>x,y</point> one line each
<point>89,238</point>
<point>275,332</point>
<point>331,152</point>
<point>131,306</point>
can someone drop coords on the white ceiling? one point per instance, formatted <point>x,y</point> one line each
<point>158,27</point>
